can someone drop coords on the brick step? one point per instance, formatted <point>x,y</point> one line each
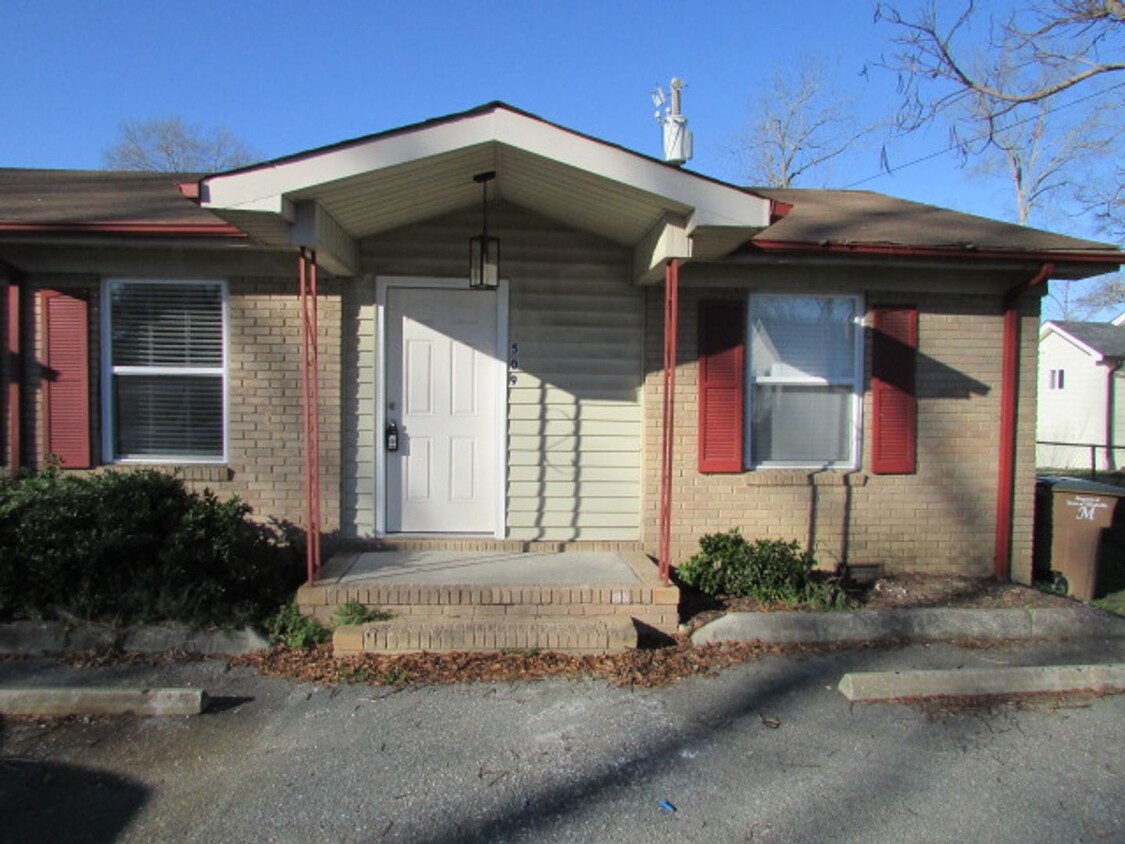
<point>409,635</point>
<point>453,543</point>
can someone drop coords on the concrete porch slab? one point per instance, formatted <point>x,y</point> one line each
<point>474,568</point>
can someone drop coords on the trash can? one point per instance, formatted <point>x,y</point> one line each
<point>1079,534</point>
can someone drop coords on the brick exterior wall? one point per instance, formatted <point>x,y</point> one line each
<point>265,466</point>
<point>940,519</point>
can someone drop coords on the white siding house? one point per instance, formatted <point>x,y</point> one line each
<point>1081,419</point>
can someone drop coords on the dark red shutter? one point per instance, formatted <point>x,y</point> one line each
<point>67,378</point>
<point>722,356</point>
<point>894,352</point>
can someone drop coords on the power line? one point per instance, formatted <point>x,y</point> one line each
<point>888,171</point>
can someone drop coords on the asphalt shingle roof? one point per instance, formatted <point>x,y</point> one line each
<point>1103,337</point>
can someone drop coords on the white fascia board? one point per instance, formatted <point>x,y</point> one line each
<point>262,189</point>
<point>713,203</point>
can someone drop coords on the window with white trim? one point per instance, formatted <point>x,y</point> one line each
<point>1057,379</point>
<point>804,381</point>
<point>166,370</point>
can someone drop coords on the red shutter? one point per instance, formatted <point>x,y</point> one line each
<point>66,374</point>
<point>894,352</point>
<point>722,355</point>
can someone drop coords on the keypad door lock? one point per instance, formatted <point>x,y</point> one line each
<point>391,436</point>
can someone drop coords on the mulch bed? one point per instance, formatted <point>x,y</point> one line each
<point>642,668</point>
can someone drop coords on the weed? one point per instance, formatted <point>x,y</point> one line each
<point>296,630</point>
<point>353,612</point>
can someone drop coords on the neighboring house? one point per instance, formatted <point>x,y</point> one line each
<point>1081,395</point>
<point>847,369</point>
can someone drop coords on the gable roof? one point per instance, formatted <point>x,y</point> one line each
<point>1100,339</point>
<point>329,197</point>
<point>376,183</point>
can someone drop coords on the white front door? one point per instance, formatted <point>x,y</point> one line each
<point>443,381</point>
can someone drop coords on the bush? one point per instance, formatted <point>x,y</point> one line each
<point>134,547</point>
<point>296,630</point>
<point>769,570</point>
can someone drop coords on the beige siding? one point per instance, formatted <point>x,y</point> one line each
<point>574,412</point>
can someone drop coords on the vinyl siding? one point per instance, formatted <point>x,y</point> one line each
<point>574,421</point>
<point>1074,414</point>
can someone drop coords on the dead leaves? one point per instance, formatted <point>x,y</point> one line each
<point>642,668</point>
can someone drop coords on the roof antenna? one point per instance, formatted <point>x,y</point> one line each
<point>677,136</point>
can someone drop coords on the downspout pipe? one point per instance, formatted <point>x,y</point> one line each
<point>13,357</point>
<point>1114,366</point>
<point>1009,400</point>
<point>668,423</point>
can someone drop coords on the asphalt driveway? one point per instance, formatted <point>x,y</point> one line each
<point>765,752</point>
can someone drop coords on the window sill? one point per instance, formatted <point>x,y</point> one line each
<point>805,477</point>
<point>205,472</point>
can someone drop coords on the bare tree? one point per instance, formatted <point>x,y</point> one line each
<point>170,145</point>
<point>1000,85</point>
<point>1059,43</point>
<point>800,123</point>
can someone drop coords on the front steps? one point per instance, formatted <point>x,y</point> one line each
<point>588,618</point>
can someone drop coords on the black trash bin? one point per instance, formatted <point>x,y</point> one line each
<point>1079,534</point>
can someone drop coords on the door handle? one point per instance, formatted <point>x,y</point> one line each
<point>390,436</point>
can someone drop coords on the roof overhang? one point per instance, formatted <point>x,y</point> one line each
<point>328,199</point>
<point>1067,264</point>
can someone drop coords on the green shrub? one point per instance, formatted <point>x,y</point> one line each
<point>769,570</point>
<point>296,630</point>
<point>136,547</point>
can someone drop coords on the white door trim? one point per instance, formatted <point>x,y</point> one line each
<point>382,285</point>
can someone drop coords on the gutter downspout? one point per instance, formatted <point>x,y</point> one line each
<point>671,335</point>
<point>11,368</point>
<point>1006,481</point>
<point>1111,412</point>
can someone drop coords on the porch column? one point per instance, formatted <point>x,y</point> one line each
<point>310,405</point>
<point>671,334</point>
<point>1009,399</point>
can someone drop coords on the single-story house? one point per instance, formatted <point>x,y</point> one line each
<point>659,354</point>
<point>1081,385</point>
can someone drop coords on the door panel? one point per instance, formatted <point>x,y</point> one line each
<point>443,381</point>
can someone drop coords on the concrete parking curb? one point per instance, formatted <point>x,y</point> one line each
<point>45,638</point>
<point>46,702</point>
<point>890,685</point>
<point>914,625</point>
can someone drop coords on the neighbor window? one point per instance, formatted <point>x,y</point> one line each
<point>1057,379</point>
<point>165,351</point>
<point>804,379</point>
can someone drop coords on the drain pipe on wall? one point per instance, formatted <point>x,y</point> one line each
<point>1005,491</point>
<point>1111,412</point>
<point>11,367</point>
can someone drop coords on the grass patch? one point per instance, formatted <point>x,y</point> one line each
<point>1114,602</point>
<point>353,612</point>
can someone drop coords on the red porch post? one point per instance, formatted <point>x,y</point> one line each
<point>1009,392</point>
<point>310,404</point>
<point>671,334</point>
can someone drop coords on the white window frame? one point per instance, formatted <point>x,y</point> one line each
<point>856,384</point>
<point>1057,379</point>
<point>108,370</point>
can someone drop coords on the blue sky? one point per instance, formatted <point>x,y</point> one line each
<point>288,76</point>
